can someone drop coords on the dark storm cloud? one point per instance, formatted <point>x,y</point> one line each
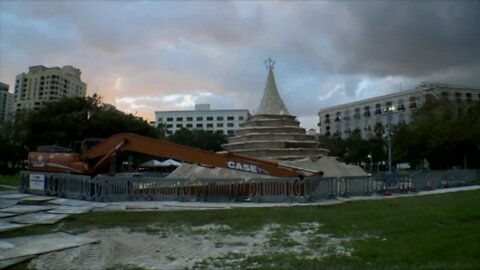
<point>155,55</point>
<point>396,37</point>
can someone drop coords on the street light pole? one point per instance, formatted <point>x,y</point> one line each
<point>389,151</point>
<point>371,161</point>
<point>389,137</point>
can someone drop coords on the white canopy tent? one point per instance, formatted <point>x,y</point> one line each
<point>171,162</point>
<point>155,163</point>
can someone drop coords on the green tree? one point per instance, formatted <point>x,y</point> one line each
<point>444,132</point>
<point>335,144</point>
<point>406,146</point>
<point>12,156</point>
<point>73,119</point>
<point>199,139</point>
<point>109,121</point>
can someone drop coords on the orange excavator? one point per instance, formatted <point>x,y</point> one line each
<point>95,157</point>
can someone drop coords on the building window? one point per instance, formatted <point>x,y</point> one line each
<point>189,119</point>
<point>179,119</point>
<point>160,119</point>
<point>445,95</point>
<point>240,118</point>
<point>346,115</point>
<point>219,118</point>
<point>327,118</point>
<point>366,111</point>
<point>169,126</point>
<point>199,118</point>
<point>378,108</point>
<point>169,119</point>
<point>230,132</point>
<point>219,124</point>
<point>209,125</point>
<point>229,124</point>
<point>189,125</point>
<point>230,118</point>
<point>468,97</point>
<point>209,118</point>
<point>413,102</point>
<point>401,107</point>
<point>458,96</point>
<point>199,125</point>
<point>179,125</point>
<point>388,106</point>
<point>338,116</point>
<point>357,113</point>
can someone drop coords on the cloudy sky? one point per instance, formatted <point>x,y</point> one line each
<point>144,56</point>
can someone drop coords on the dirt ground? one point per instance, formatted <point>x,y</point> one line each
<point>210,246</point>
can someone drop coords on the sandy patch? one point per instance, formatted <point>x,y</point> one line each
<point>183,247</point>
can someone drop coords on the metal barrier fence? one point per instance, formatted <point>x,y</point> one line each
<point>121,188</point>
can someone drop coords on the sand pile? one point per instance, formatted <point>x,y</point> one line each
<point>330,166</point>
<point>191,171</point>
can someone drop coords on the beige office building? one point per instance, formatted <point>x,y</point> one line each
<point>41,85</point>
<point>389,109</point>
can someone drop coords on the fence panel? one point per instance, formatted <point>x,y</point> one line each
<point>108,189</point>
<point>394,183</point>
<point>123,188</point>
<point>427,180</point>
<point>356,186</point>
<point>320,188</point>
<point>276,189</point>
<point>217,190</point>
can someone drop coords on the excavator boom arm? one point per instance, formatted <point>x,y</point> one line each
<point>104,151</point>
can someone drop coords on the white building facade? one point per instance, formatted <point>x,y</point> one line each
<point>6,102</point>
<point>41,85</point>
<point>225,121</point>
<point>388,110</point>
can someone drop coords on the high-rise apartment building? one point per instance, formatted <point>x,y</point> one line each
<point>6,101</point>
<point>389,109</point>
<point>41,85</point>
<point>225,121</point>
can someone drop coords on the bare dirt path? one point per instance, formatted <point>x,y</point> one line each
<point>210,246</point>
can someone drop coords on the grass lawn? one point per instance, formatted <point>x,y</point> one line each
<point>426,232</point>
<point>9,181</point>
